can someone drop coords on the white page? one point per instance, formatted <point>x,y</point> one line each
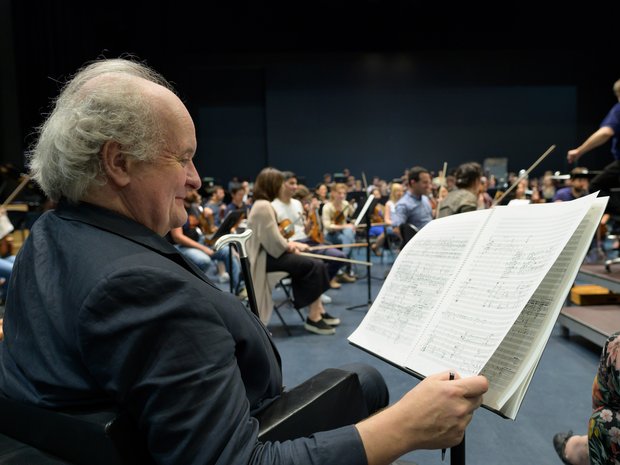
<point>508,262</point>
<point>513,363</point>
<point>417,279</point>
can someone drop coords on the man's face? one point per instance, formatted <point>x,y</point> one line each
<point>289,188</point>
<point>237,198</point>
<point>339,195</point>
<point>580,185</point>
<point>155,195</point>
<point>422,186</point>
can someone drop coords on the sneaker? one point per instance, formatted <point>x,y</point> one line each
<point>242,294</point>
<point>224,277</point>
<point>330,320</point>
<point>334,284</point>
<point>319,327</point>
<point>326,299</point>
<point>346,278</point>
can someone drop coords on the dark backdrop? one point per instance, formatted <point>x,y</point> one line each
<point>316,87</point>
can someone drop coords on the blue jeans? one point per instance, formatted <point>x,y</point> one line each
<point>203,261</point>
<point>345,236</point>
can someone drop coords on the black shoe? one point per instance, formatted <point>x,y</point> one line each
<point>559,443</point>
<point>319,327</point>
<point>330,320</point>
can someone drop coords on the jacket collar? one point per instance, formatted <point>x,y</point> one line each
<point>118,224</point>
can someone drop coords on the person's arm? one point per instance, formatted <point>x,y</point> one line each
<point>179,238</point>
<point>598,138</point>
<point>262,220</point>
<point>433,415</point>
<point>387,212</point>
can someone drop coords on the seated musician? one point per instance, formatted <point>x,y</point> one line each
<point>290,207</point>
<point>579,185</point>
<point>414,207</point>
<point>269,250</point>
<point>191,241</point>
<point>336,226</point>
<point>465,197</point>
<point>237,193</point>
<point>215,204</point>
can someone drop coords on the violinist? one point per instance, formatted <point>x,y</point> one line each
<point>191,241</point>
<point>237,193</point>
<point>269,251</point>
<point>335,225</point>
<point>293,205</point>
<point>216,204</point>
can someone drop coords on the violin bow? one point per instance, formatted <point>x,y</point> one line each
<point>524,175</point>
<point>17,190</point>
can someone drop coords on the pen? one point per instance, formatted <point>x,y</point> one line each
<point>443,451</point>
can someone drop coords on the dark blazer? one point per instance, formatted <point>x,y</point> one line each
<point>102,311</point>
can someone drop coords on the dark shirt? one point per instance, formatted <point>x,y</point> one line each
<point>102,311</point>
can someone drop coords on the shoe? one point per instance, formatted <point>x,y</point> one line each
<point>224,277</point>
<point>334,284</point>
<point>330,320</point>
<point>346,278</point>
<point>326,299</point>
<point>559,443</point>
<point>242,294</point>
<point>319,327</point>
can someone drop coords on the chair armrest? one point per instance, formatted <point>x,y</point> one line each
<point>329,400</point>
<point>104,437</point>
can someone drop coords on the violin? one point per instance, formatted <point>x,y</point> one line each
<point>316,230</point>
<point>287,228</point>
<point>338,217</point>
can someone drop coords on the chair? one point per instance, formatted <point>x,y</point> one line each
<point>281,280</point>
<point>37,436</point>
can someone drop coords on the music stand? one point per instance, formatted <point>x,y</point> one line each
<point>364,213</point>
<point>229,222</point>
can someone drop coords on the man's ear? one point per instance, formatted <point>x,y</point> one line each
<point>114,163</point>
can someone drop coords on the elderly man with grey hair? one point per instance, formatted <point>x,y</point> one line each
<point>102,310</point>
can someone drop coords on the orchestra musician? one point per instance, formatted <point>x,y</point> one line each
<point>337,228</point>
<point>465,197</point>
<point>269,250</point>
<point>313,234</point>
<point>291,206</point>
<point>192,242</point>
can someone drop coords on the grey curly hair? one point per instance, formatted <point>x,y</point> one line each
<point>65,159</point>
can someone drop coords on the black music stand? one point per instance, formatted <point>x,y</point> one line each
<point>364,214</point>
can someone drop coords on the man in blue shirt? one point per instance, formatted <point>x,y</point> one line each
<point>579,184</point>
<point>414,207</point>
<point>609,129</point>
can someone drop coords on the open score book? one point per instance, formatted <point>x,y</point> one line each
<point>480,292</point>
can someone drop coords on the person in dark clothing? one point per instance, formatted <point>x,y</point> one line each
<point>102,310</point>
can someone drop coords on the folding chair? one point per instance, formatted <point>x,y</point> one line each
<point>281,280</point>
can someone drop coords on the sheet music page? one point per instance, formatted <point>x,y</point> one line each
<point>506,265</point>
<point>418,278</point>
<point>512,365</point>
